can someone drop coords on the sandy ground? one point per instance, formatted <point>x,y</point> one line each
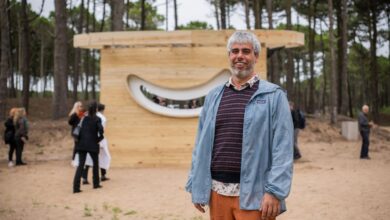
<point>330,182</point>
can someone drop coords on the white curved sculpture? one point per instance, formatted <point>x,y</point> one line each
<point>135,83</point>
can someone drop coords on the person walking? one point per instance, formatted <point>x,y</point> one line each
<point>91,134</point>
<point>9,136</point>
<point>243,157</point>
<point>364,129</point>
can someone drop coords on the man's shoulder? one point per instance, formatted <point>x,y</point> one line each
<point>266,86</point>
<point>216,89</point>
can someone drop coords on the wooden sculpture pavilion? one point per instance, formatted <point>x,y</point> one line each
<point>148,80</point>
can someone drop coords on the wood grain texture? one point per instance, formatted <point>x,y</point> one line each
<point>183,38</point>
<point>180,59</point>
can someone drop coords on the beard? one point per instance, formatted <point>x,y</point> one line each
<point>241,74</point>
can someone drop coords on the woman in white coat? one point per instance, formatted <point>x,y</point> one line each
<point>104,154</point>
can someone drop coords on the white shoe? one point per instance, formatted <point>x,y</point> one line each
<point>10,164</point>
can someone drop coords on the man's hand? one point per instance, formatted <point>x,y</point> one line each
<point>200,207</point>
<point>270,207</point>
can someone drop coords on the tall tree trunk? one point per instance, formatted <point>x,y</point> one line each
<point>25,55</point>
<point>222,6</point>
<point>257,14</point>
<point>290,59</point>
<point>274,73</point>
<point>388,59</point>
<point>333,93</point>
<point>175,12</point>
<point>5,59</point>
<point>247,20</point>
<point>166,15</point>
<point>42,63</point>
<point>270,68</point>
<point>339,51</point>
<point>344,59</point>
<point>324,89</point>
<point>60,61</point>
<point>127,13</point>
<point>269,11</point>
<point>87,56</point>
<point>298,80</point>
<point>104,15</point>
<point>93,67</point>
<point>143,15</point>
<point>216,6</point>
<point>373,61</point>
<point>312,24</point>
<point>227,15</point>
<point>12,65</point>
<point>77,55</point>
<point>117,9</point>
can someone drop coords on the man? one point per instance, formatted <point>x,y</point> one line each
<point>364,129</point>
<point>242,159</point>
<point>296,117</point>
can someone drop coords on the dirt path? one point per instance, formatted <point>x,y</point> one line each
<point>330,182</point>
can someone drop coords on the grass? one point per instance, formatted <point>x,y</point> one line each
<point>131,212</point>
<point>87,211</point>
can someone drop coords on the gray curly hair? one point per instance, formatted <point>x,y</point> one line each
<point>242,37</point>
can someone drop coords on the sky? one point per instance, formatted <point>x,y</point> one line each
<point>193,10</point>
<point>188,10</point>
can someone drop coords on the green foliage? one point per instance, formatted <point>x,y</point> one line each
<point>152,21</point>
<point>385,110</point>
<point>196,25</point>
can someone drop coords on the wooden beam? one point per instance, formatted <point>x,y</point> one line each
<point>195,38</point>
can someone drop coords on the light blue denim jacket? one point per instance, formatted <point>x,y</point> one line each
<point>267,148</point>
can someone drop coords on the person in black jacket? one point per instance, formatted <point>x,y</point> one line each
<point>364,129</point>
<point>21,134</point>
<point>91,134</point>
<point>9,135</point>
<point>295,114</point>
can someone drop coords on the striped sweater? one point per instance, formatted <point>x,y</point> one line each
<point>226,156</point>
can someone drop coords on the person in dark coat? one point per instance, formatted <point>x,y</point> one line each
<point>21,134</point>
<point>296,122</point>
<point>364,129</point>
<point>9,136</point>
<point>91,134</point>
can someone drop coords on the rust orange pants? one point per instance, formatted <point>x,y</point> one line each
<point>228,208</point>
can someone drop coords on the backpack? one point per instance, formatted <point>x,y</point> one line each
<point>301,120</point>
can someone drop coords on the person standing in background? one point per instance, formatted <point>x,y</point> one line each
<point>364,129</point>
<point>9,136</point>
<point>21,134</point>
<point>91,134</point>
<point>75,116</point>
<point>104,155</point>
<point>297,117</point>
